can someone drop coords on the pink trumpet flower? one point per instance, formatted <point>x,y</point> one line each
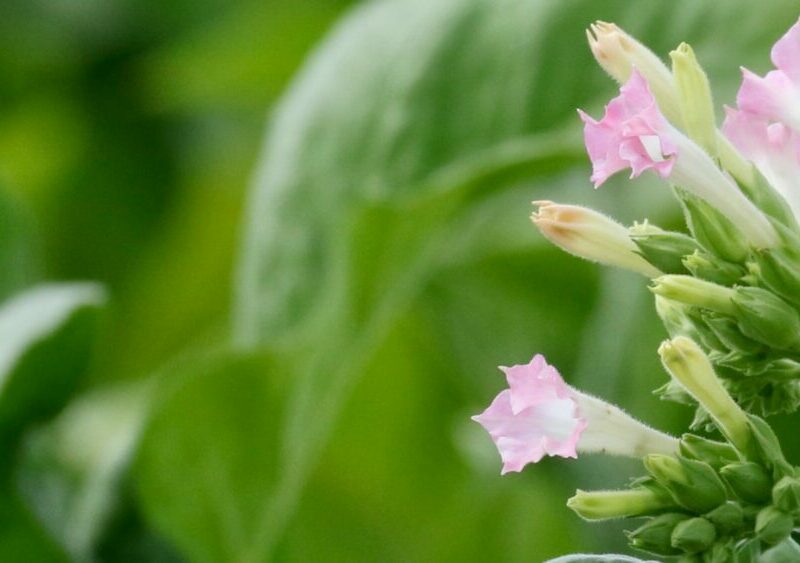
<point>776,96</point>
<point>634,134</point>
<point>539,414</point>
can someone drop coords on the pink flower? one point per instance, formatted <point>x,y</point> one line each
<point>632,134</point>
<point>773,147</point>
<point>776,96</point>
<point>541,415</point>
<point>536,416</point>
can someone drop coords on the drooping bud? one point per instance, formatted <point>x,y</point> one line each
<point>694,535</point>
<point>773,525</point>
<point>694,98</point>
<point>693,484</point>
<point>727,518</point>
<point>714,453</point>
<point>765,317</point>
<point>786,495</point>
<point>590,235</point>
<point>710,268</point>
<point>692,291</point>
<point>663,249</point>
<point>687,364</point>
<point>606,505</point>
<point>750,481</point>
<point>655,535</point>
<point>675,317</point>
<point>619,53</point>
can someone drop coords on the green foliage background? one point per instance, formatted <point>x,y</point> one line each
<point>288,358</point>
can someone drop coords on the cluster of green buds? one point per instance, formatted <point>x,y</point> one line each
<point>732,283</point>
<point>736,500</point>
<point>727,291</point>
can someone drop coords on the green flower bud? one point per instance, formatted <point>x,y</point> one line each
<point>749,481</point>
<point>690,367</point>
<point>663,249</point>
<point>692,291</point>
<point>712,230</point>
<point>694,98</point>
<point>765,317</point>
<point>720,553</point>
<point>728,518</point>
<point>675,317</point>
<point>779,270</point>
<point>694,535</point>
<point>769,447</point>
<point>605,505</point>
<point>693,484</point>
<point>655,536</point>
<point>713,269</point>
<point>773,525</point>
<point>727,331</point>
<point>714,453</point>
<point>786,495</point>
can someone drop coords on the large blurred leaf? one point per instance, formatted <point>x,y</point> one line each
<point>412,120</point>
<point>206,464</point>
<point>46,335</point>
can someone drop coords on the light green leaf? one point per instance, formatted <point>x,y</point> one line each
<point>206,463</point>
<point>72,469</point>
<point>46,335</point>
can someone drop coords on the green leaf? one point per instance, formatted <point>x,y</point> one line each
<point>206,463</point>
<point>46,336</point>
<point>71,471</point>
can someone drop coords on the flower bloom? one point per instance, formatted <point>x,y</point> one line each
<point>634,134</point>
<point>541,415</point>
<point>773,147</point>
<point>775,96</point>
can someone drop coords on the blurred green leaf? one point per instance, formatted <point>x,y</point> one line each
<point>71,470</point>
<point>206,464</point>
<point>46,336</point>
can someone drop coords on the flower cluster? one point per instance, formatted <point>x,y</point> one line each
<point>727,291</point>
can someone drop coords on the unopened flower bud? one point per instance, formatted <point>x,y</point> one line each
<point>773,525</point>
<point>765,317</point>
<point>655,535</point>
<point>694,535</point>
<point>779,270</point>
<point>692,291</point>
<point>713,269</point>
<point>750,481</point>
<point>786,495</point>
<point>690,367</point>
<point>714,453</point>
<point>618,53</point>
<point>663,249</point>
<point>717,232</point>
<point>694,98</point>
<point>693,484</point>
<point>768,446</point>
<point>605,505</point>
<point>727,518</point>
<point>728,332</point>
<point>590,235</point>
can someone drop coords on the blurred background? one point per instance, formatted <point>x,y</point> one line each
<point>310,220</point>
